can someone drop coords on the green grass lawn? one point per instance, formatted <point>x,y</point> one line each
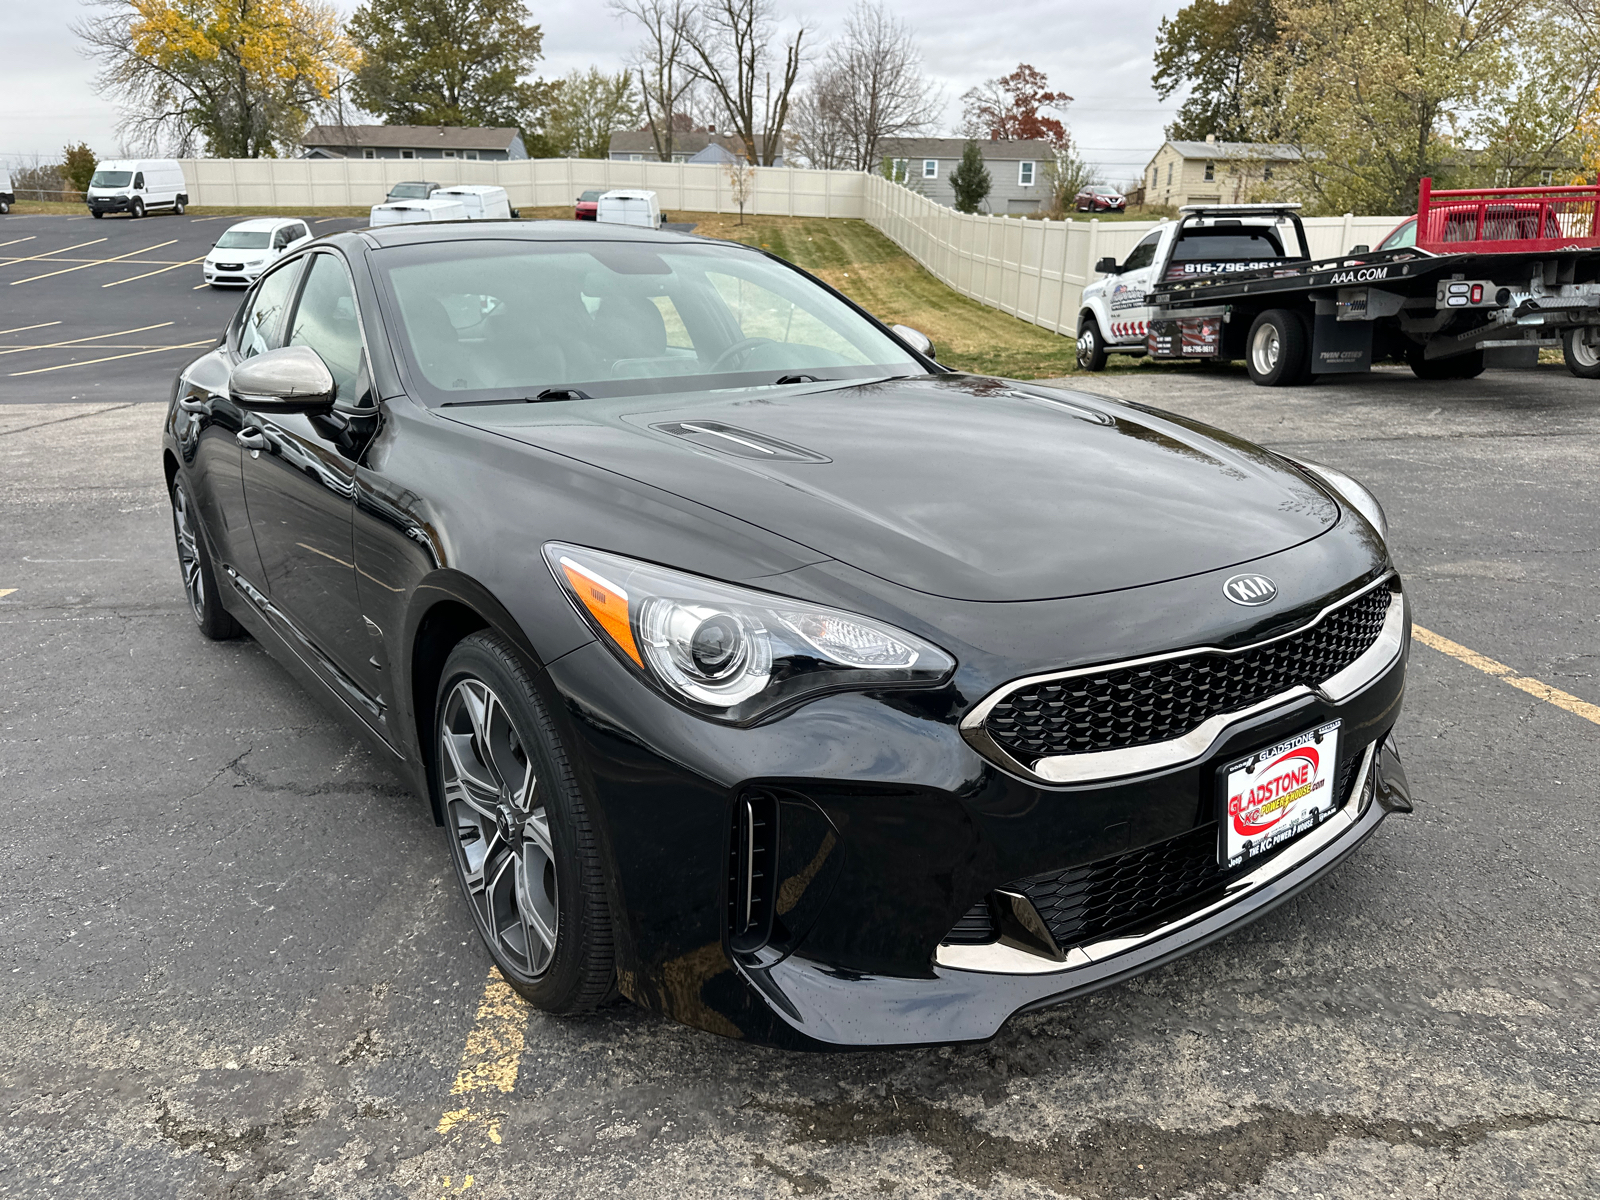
<point>866,266</point>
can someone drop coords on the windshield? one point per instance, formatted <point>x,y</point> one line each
<point>589,198</point>
<point>1406,235</point>
<point>409,191</point>
<point>509,320</point>
<point>111,179</point>
<point>244,239</point>
<point>1105,191</point>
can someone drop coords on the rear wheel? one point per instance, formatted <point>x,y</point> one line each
<point>1581,349</point>
<point>1278,350</point>
<point>1092,352</point>
<point>199,580</point>
<point>1457,366</point>
<point>519,831</point>
<point>178,206</point>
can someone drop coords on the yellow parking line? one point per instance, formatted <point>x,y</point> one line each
<point>147,274</point>
<point>490,1060</point>
<point>89,362</point>
<point>1581,708</point>
<point>132,262</point>
<point>48,253</point>
<point>198,286</point>
<point>94,262</point>
<point>4,592</point>
<point>93,337</point>
<point>14,241</point>
<point>25,328</point>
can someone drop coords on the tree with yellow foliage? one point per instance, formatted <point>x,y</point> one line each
<point>238,78</point>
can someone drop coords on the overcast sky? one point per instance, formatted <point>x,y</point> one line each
<point>1097,52</point>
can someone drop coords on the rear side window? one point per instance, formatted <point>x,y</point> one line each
<point>1203,252</point>
<point>325,319</point>
<point>261,325</point>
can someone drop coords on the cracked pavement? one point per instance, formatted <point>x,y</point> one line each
<point>233,962</point>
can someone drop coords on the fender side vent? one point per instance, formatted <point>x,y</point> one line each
<point>742,443</point>
<point>752,870</point>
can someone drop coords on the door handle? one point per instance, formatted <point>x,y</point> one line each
<point>252,439</point>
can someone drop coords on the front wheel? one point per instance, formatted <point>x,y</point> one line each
<point>1092,352</point>
<point>199,580</point>
<point>1277,349</point>
<point>96,214</point>
<point>1581,349</point>
<point>520,837</point>
<point>136,209</point>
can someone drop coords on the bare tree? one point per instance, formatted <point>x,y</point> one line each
<point>730,44</point>
<point>741,183</point>
<point>666,81</point>
<point>869,87</point>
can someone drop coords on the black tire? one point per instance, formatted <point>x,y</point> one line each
<point>1582,353</point>
<point>5,207</point>
<point>194,564</point>
<point>136,208</point>
<point>96,214</point>
<point>1092,352</point>
<point>1457,366</point>
<point>539,827</point>
<point>1277,350</point>
<point>178,206</point>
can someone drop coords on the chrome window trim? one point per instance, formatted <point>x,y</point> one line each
<point>999,958</point>
<point>1095,765</point>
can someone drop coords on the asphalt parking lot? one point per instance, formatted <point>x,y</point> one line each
<point>108,309</point>
<point>233,962</point>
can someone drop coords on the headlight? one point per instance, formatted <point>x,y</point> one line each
<point>1355,494</point>
<point>732,653</point>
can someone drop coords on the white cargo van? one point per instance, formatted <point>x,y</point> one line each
<point>8,196</point>
<point>483,201</point>
<point>410,212</point>
<point>136,186</point>
<point>624,206</point>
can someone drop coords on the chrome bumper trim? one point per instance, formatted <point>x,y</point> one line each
<point>1097,765</point>
<point>1000,958</point>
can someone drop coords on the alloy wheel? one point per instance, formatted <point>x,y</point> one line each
<point>1265,348</point>
<point>188,552</point>
<point>500,825</point>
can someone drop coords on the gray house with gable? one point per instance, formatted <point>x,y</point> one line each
<point>1016,170</point>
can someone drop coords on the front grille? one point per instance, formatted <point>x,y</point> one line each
<point>1118,894</point>
<point>1135,706</point>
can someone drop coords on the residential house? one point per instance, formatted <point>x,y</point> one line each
<point>1016,170</point>
<point>696,146</point>
<point>1213,172</point>
<point>472,143</point>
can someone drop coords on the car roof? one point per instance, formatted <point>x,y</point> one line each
<point>527,231</point>
<point>258,224</point>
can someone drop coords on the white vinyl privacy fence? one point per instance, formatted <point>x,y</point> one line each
<point>1034,270</point>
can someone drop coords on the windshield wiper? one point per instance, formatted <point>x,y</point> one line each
<point>553,393</point>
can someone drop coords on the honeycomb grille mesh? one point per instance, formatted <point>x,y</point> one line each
<point>1136,706</point>
<point>1116,895</point>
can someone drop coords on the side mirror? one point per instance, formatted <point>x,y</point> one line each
<point>916,339</point>
<point>1108,266</point>
<point>291,380</point>
<point>1361,248</point>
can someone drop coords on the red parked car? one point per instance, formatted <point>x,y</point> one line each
<point>588,205</point>
<point>1099,198</point>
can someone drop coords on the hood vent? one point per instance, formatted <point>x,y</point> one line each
<point>742,443</point>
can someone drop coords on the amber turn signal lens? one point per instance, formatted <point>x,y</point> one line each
<point>607,604</point>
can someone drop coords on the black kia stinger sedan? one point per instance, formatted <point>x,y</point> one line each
<point>762,669</point>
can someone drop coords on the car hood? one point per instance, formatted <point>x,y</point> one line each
<point>963,487</point>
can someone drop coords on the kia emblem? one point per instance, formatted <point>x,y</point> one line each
<point>1250,589</point>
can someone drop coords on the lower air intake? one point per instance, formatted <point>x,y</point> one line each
<point>752,870</point>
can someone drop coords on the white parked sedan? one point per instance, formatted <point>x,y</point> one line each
<point>250,247</point>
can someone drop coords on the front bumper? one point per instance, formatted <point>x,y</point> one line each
<point>228,275</point>
<point>893,824</point>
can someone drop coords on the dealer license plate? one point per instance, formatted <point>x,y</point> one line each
<point>1278,793</point>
